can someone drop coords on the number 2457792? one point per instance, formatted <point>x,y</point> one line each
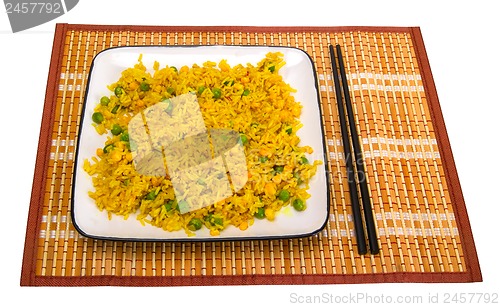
<point>33,8</point>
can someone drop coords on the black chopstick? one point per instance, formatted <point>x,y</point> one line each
<point>358,155</point>
<point>353,189</point>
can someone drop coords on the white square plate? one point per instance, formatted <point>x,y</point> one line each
<point>106,69</point>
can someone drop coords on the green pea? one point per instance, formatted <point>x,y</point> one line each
<point>297,176</point>
<point>195,224</point>
<point>246,92</point>
<point>284,195</point>
<point>174,68</point>
<point>272,68</point>
<point>170,90</point>
<point>97,117</point>
<point>151,195</point>
<point>214,220</point>
<point>218,221</point>
<point>118,91</point>
<point>183,205</point>
<point>116,129</point>
<point>260,214</point>
<point>104,100</point>
<point>299,205</point>
<point>289,130</point>
<point>263,159</point>
<point>217,93</point>
<point>201,89</point>
<point>208,217</point>
<point>169,205</point>
<point>144,87</point>
<point>279,168</point>
<point>244,139</point>
<point>124,137</point>
<point>303,160</point>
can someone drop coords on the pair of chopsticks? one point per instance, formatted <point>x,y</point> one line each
<point>355,170</point>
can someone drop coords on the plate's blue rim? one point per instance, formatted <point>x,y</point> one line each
<point>194,239</point>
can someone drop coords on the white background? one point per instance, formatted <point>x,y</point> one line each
<point>462,42</point>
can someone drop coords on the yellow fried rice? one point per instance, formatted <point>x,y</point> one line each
<point>251,99</point>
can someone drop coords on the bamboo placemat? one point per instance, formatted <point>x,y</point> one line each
<point>423,228</point>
